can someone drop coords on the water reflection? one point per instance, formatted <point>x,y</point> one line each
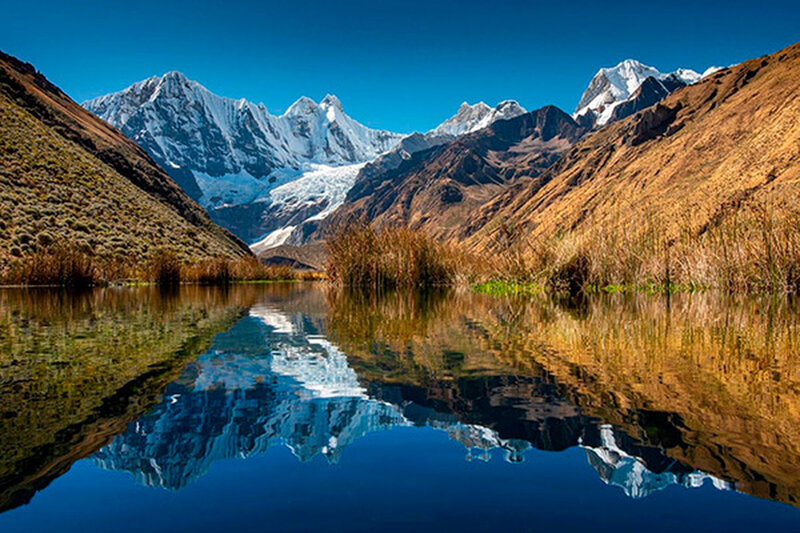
<point>267,381</point>
<point>710,383</point>
<point>76,367</point>
<point>690,392</point>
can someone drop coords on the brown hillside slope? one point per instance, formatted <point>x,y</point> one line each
<point>686,162</point>
<point>68,177</point>
<point>437,189</point>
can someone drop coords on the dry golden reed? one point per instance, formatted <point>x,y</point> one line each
<point>360,256</point>
<point>69,266</point>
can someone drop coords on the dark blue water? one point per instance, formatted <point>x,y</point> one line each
<point>273,425</point>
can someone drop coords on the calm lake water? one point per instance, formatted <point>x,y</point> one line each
<point>291,407</point>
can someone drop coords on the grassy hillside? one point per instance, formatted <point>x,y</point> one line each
<point>702,186</point>
<point>66,177</point>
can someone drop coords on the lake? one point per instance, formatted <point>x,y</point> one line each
<point>297,407</point>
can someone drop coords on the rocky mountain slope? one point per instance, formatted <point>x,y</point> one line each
<point>66,176</point>
<point>291,228</point>
<point>261,175</point>
<point>617,92</point>
<point>689,160</point>
<point>436,189</point>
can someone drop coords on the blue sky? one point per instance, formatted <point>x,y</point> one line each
<point>397,65</point>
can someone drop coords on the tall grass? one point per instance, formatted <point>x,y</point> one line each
<point>165,268</point>
<point>749,248</point>
<point>753,248</point>
<point>360,256</point>
<point>70,266</point>
<point>60,265</point>
<point>222,271</point>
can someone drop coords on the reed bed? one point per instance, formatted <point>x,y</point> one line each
<point>60,265</point>
<point>751,248</point>
<point>70,266</point>
<point>755,248</point>
<point>222,271</point>
<point>360,256</point>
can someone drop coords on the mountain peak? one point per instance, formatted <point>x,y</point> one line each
<point>174,75</point>
<point>331,100</point>
<point>476,116</point>
<point>302,106</point>
<point>612,86</point>
<point>174,79</point>
<point>507,107</point>
<point>632,63</point>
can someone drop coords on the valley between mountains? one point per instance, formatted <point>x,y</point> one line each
<point>671,168</point>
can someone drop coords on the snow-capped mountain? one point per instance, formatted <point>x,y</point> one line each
<point>235,151</point>
<point>257,173</point>
<point>471,118</point>
<point>619,468</point>
<point>296,197</point>
<point>613,86</point>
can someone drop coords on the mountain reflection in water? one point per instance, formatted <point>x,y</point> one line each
<point>689,391</point>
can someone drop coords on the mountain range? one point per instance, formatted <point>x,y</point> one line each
<point>271,178</point>
<point>256,172</point>
<point>436,189</point>
<point>688,161</point>
<point>278,180</point>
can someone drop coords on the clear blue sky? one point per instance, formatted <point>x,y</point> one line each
<point>397,65</point>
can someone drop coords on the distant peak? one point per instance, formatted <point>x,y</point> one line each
<point>302,106</point>
<point>507,105</point>
<point>631,63</point>
<point>174,77</point>
<point>171,81</point>
<point>174,74</point>
<point>480,105</point>
<point>476,116</point>
<point>711,70</point>
<point>331,100</point>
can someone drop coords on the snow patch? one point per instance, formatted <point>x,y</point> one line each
<point>273,239</point>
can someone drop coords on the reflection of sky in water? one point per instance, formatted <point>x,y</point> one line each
<point>273,380</point>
